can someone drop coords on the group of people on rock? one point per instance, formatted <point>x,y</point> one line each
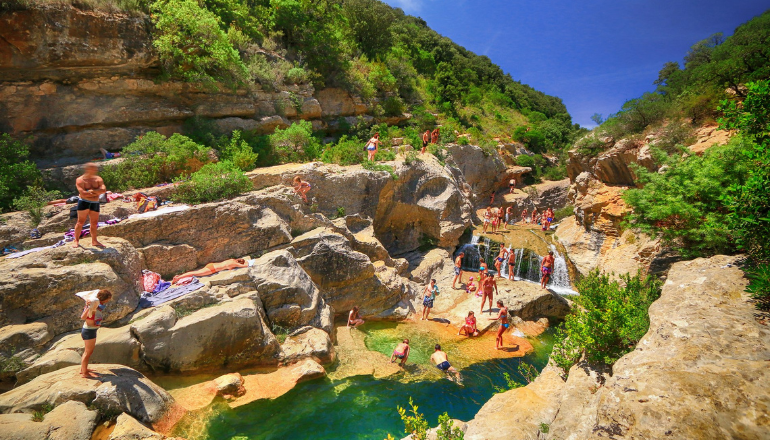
<point>429,137</point>
<point>544,219</point>
<point>373,144</point>
<point>500,218</point>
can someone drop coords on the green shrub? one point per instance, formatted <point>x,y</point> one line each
<point>341,212</point>
<point>33,201</point>
<point>239,152</point>
<point>393,106</point>
<point>463,140</point>
<point>295,143</point>
<point>213,182</point>
<point>191,44</point>
<point>563,213</point>
<point>416,427</point>
<point>759,285</point>
<point>608,319</point>
<point>591,145</point>
<point>555,173</point>
<point>39,415</point>
<point>524,160</point>
<point>347,151</point>
<point>527,372</point>
<point>16,171</point>
<point>385,154</point>
<point>153,159</point>
<point>410,157</point>
<point>373,166</point>
<point>297,75</point>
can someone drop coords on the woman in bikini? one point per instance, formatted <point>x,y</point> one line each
<point>354,319</point>
<point>371,146</point>
<point>212,268</point>
<point>487,217</point>
<point>401,352</point>
<point>429,295</point>
<point>92,315</point>
<point>500,259</point>
<point>301,187</point>
<point>503,317</point>
<point>469,328</point>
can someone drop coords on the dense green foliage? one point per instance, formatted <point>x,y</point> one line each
<point>714,69</point>
<point>33,201</point>
<point>213,182</point>
<point>526,371</point>
<point>153,159</point>
<point>239,152</point>
<point>609,319</point>
<point>17,173</point>
<point>392,60</point>
<point>417,427</point>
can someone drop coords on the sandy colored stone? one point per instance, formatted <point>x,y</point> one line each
<point>128,428</point>
<point>278,383</point>
<point>707,137</point>
<point>313,343</point>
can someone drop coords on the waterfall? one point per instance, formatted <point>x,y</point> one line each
<point>560,278</point>
<point>475,240</point>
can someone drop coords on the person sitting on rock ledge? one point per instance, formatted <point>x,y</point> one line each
<point>469,328</point>
<point>212,268</point>
<point>401,352</point>
<point>354,319</point>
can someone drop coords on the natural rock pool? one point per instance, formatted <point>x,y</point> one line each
<point>363,406</point>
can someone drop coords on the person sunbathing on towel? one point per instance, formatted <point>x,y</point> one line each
<point>213,268</point>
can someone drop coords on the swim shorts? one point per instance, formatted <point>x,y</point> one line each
<point>87,205</point>
<point>457,270</point>
<point>399,355</point>
<point>371,148</point>
<point>550,219</point>
<point>427,302</point>
<point>88,333</point>
<point>444,366</point>
<point>547,271</point>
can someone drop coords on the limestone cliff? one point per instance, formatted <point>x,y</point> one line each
<point>700,372</point>
<point>75,80</point>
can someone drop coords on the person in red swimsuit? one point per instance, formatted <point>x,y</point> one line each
<point>212,268</point>
<point>469,328</point>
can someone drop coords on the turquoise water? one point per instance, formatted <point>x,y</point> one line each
<point>363,407</point>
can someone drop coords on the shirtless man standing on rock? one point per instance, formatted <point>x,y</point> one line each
<point>90,187</point>
<point>546,268</point>
<point>458,269</point>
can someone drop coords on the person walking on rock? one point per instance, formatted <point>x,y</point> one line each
<point>546,268</point>
<point>428,296</point>
<point>371,146</point>
<point>458,269</point>
<point>90,186</point>
<point>489,285</point>
<point>92,316</point>
<point>441,361</point>
<point>425,141</point>
<point>401,352</point>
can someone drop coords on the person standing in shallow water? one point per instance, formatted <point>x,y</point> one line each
<point>428,296</point>
<point>458,269</point>
<point>90,186</point>
<point>546,268</point>
<point>92,316</point>
<point>401,352</point>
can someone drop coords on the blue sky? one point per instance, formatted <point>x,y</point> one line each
<point>594,54</point>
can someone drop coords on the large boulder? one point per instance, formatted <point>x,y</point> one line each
<point>231,333</point>
<point>68,421</point>
<point>290,297</point>
<point>176,241</point>
<point>480,170</point>
<point>42,285</point>
<point>313,343</point>
<point>117,387</point>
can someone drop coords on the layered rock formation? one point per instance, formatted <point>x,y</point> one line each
<point>691,376</point>
<point>88,83</point>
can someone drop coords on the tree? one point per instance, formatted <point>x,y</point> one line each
<point>597,118</point>
<point>17,172</point>
<point>370,22</point>
<point>701,52</point>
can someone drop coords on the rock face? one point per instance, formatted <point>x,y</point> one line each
<point>691,376</point>
<point>118,388</point>
<point>68,421</point>
<point>32,288</point>
<point>88,82</point>
<point>231,333</point>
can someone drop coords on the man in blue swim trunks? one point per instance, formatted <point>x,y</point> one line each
<point>458,269</point>
<point>440,359</point>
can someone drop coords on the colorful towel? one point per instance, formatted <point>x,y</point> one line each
<point>155,299</point>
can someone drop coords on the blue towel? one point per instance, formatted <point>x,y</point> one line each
<point>149,299</point>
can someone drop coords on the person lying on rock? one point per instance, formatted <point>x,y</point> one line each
<point>401,352</point>
<point>90,186</point>
<point>92,315</point>
<point>212,268</point>
<point>107,155</point>
<point>354,319</point>
<point>440,359</point>
<point>469,328</point>
<point>301,187</point>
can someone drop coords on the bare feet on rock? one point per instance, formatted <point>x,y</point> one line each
<point>97,244</point>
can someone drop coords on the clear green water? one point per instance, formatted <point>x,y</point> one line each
<point>363,407</point>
